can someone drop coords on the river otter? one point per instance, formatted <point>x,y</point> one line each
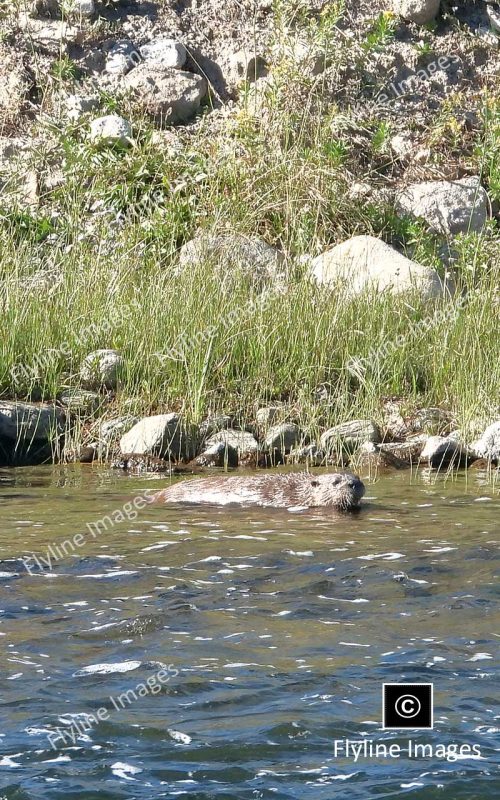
<point>340,490</point>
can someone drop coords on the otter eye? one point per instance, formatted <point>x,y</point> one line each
<point>314,483</point>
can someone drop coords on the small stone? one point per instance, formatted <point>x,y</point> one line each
<point>402,146</point>
<point>102,368</point>
<point>219,454</point>
<point>161,435</point>
<point>122,57</point>
<point>165,53</point>
<point>419,11</point>
<point>110,130</point>
<point>80,402</point>
<point>245,67</point>
<point>77,105</point>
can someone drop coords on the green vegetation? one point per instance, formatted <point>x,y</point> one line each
<point>100,271</point>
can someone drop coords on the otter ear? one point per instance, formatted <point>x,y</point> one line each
<point>314,483</point>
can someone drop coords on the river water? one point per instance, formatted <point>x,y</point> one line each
<point>229,653</point>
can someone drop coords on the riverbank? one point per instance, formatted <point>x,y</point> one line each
<point>351,122</point>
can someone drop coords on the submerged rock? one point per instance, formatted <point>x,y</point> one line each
<point>102,368</point>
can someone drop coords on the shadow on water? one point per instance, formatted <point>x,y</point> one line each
<point>227,650</point>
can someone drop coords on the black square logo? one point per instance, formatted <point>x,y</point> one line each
<point>407,705</point>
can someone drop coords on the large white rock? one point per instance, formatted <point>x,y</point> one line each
<point>419,11</point>
<point>102,368</point>
<point>367,263</point>
<point>161,435</point>
<point>448,207</point>
<point>168,95</point>
<point>164,53</point>
<point>111,129</point>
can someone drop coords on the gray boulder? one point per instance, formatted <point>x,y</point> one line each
<point>102,368</point>
<point>29,433</point>
<point>113,429</point>
<point>419,11</point>
<point>367,263</point>
<point>169,96</point>
<point>241,441</point>
<point>488,445</point>
<point>448,207</point>
<point>234,252</point>
<point>215,423</point>
<point>267,415</point>
<point>311,454</point>
<point>443,451</point>
<point>161,435</point>
<point>219,454</point>
<point>433,421</point>
<point>283,437</point>
<point>350,435</point>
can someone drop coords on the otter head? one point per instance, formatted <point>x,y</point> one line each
<point>342,490</point>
